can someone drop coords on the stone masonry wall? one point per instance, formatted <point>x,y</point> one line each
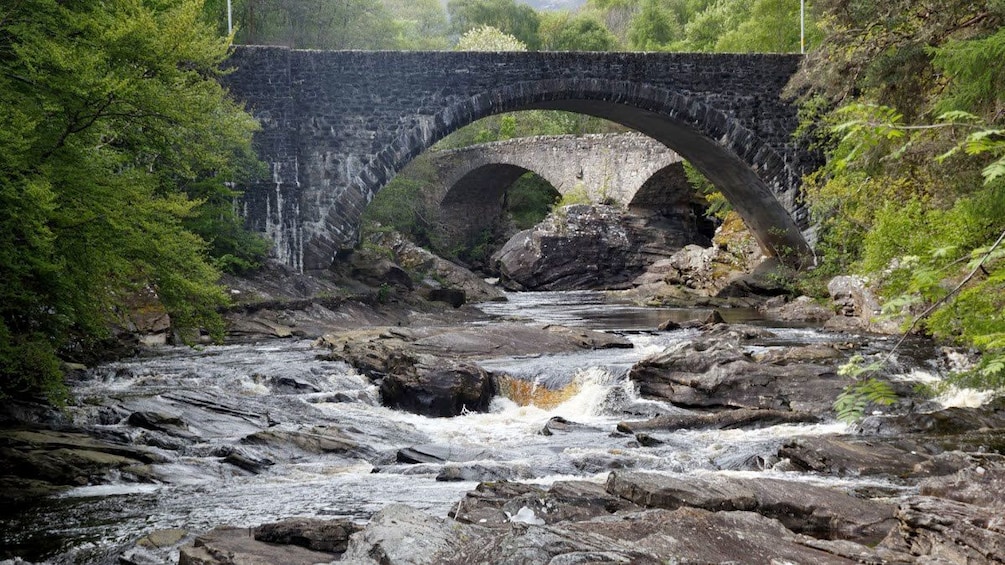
<point>338,125</point>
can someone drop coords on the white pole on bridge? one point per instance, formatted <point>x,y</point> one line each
<point>802,25</point>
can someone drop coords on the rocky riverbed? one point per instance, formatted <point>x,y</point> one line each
<point>507,441</point>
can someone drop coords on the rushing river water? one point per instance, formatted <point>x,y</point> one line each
<point>224,393</point>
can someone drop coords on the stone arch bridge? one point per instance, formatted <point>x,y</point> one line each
<point>629,169</point>
<point>337,125</point>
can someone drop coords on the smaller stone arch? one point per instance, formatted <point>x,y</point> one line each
<point>471,181</point>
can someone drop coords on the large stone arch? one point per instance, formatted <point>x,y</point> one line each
<point>761,187</point>
<point>337,125</point>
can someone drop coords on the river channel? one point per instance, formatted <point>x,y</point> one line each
<point>226,392</point>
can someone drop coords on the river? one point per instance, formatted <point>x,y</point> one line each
<point>226,392</point>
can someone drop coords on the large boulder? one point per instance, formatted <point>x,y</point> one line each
<point>235,546</point>
<point>741,418</point>
<point>444,390</point>
<point>855,457</point>
<point>577,247</point>
<point>38,462</point>
<point>803,508</point>
<point>721,374</point>
<point>857,306</point>
<point>447,281</point>
<point>331,536</point>
<point>581,247</point>
<point>420,369</point>
<point>955,518</point>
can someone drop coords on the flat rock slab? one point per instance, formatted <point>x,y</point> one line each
<point>497,340</point>
<point>516,339</point>
<point>494,504</point>
<point>237,546</point>
<point>400,535</point>
<point>947,531</point>
<point>329,536</point>
<point>722,420</point>
<point>854,457</point>
<point>801,507</point>
<point>718,372</point>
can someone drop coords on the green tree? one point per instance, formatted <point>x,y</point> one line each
<point>421,24</point>
<point>772,26</point>
<point>653,28</point>
<point>488,38</point>
<point>518,20</point>
<point>110,117</point>
<point>579,33</point>
<point>308,24</point>
<point>703,31</point>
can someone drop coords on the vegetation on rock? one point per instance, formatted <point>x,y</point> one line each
<point>913,193</point>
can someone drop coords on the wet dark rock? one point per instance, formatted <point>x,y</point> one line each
<point>801,507</point>
<point>236,546</point>
<point>722,420</point>
<point>949,421</point>
<point>292,385</point>
<point>559,425</point>
<point>247,460</point>
<point>420,368</point>
<point>159,422</point>
<point>16,413</point>
<point>856,457</point>
<point>646,440</point>
<point>507,471</point>
<point>452,296</point>
<point>47,460</point>
<point>287,444</point>
<point>713,317</point>
<point>330,536</point>
<point>515,339</point>
<point>668,326</point>
<point>720,374</point>
<point>443,391</point>
<point>439,453</point>
<point>551,255</point>
<point>379,351</point>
